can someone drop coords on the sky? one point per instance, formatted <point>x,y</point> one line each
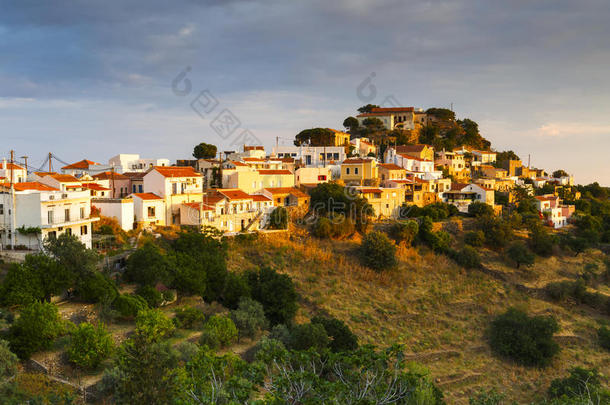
<point>91,79</point>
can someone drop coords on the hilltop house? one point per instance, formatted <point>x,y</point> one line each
<point>462,195</point>
<point>84,167</point>
<point>386,202</point>
<point>364,147</point>
<point>312,156</point>
<point>555,213</point>
<point>149,209</point>
<point>132,162</point>
<point>394,117</point>
<point>12,172</point>
<point>358,171</point>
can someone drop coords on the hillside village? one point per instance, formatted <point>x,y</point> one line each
<point>236,191</point>
<point>403,246</point>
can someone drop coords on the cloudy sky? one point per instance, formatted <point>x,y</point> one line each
<point>90,79</point>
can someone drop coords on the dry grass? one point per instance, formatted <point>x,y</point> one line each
<point>431,305</point>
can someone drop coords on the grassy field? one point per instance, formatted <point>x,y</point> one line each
<point>438,310</point>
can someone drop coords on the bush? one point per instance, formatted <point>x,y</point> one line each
<point>168,295</point>
<point>307,336</point>
<point>404,232</point>
<point>189,318</point>
<point>541,241</point>
<point>89,345</point>
<point>35,329</point>
<point>96,288</point>
<point>281,333</point>
<point>147,265</point>
<point>581,382</point>
<point>468,257</point>
<point>154,325</point>
<point>151,295</point>
<point>278,218</point>
<point>474,238</point>
<point>219,331</point>
<point>603,335</point>
<point>8,361</point>
<point>128,305</point>
<point>342,338</point>
<point>249,318</point>
<point>480,209</point>
<point>519,254</point>
<point>276,293</point>
<point>333,226</point>
<point>236,288</point>
<point>377,251</point>
<point>187,351</point>
<point>498,232</point>
<point>562,290</point>
<point>526,340</point>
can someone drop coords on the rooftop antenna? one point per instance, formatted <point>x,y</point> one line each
<point>25,158</point>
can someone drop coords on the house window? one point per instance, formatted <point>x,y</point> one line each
<point>67,214</point>
<point>174,188</point>
<point>133,188</point>
<point>347,170</point>
<point>140,188</point>
<point>82,212</point>
<point>84,230</point>
<point>1,209</point>
<point>335,156</point>
<point>50,217</point>
<point>322,178</point>
<point>355,170</point>
<point>151,212</point>
<point>68,231</point>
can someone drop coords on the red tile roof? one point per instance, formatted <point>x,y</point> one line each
<point>235,163</point>
<point>355,161</point>
<point>64,178</point>
<point>177,171</point>
<point>134,175</point>
<point>147,196</point>
<point>458,186</point>
<point>234,194</point>
<point>253,159</point>
<point>247,148</point>
<point>272,171</point>
<point>286,190</point>
<point>386,111</point>
<point>83,164</point>
<point>260,197</point>
<point>110,176</point>
<point>95,187</point>
<point>31,185</point>
<point>391,166</point>
<point>197,206</point>
<point>411,148</point>
<point>369,190</point>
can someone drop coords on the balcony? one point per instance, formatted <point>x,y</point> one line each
<point>64,223</point>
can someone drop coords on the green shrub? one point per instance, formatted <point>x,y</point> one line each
<point>168,295</point>
<point>404,231</point>
<point>603,335</point>
<point>480,209</point>
<point>220,328</point>
<point>154,325</point>
<point>187,351</point>
<point>210,338</point>
<point>89,345</point>
<point>276,292</point>
<point>342,338</point>
<point>562,290</point>
<point>35,329</point>
<point>278,218</point>
<point>249,318</point>
<point>96,288</point>
<point>498,232</point>
<point>307,336</point>
<point>129,305</point>
<point>581,382</point>
<point>151,295</point>
<point>8,361</point>
<point>147,265</point>
<point>474,238</point>
<point>467,257</point>
<point>541,241</point>
<point>333,226</point>
<point>526,340</point>
<point>519,254</point>
<point>377,251</point>
<point>189,318</point>
<point>235,289</point>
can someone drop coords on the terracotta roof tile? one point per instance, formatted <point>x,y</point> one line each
<point>273,172</point>
<point>234,194</point>
<point>177,171</point>
<point>109,176</point>
<point>31,185</point>
<point>147,196</point>
<point>83,164</point>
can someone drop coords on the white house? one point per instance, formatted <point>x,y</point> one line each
<point>555,213</point>
<point>32,205</point>
<point>83,167</point>
<point>132,162</point>
<point>12,172</point>
<point>312,156</point>
<point>120,209</point>
<point>148,209</point>
<point>462,195</point>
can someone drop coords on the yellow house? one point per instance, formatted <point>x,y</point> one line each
<point>357,171</point>
<point>386,202</point>
<point>341,138</point>
<point>390,171</point>
<point>420,151</point>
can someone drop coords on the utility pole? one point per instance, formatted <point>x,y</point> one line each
<point>13,205</point>
<point>529,158</point>
<point>277,141</point>
<point>50,162</point>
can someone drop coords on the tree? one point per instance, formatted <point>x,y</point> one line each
<point>128,306</point>
<point>468,257</point>
<point>308,336</point>
<point>249,318</point>
<point>603,335</point>
<point>518,253</point>
<point>147,265</point>
<point>474,238</point>
<point>342,338</point>
<point>236,289</point>
<point>97,287</point>
<point>89,345</point>
<point>153,325</point>
<point>351,123</point>
<point>526,340</point>
<point>441,113</point>
<point>479,209</point>
<point>377,251</point>
<point>498,231</point>
<point>278,218</point>
<point>367,108</point>
<point>204,151</point>
<point>581,382</point>
<point>219,329</point>
<point>560,173</point>
<point>189,318</point>
<point>330,199</point>
<point>276,292</point>
<point>373,124</point>
<point>506,155</point>
<point>151,295</point>
<point>404,231</point>
<point>540,240</point>
<point>315,137</point>
<point>8,362</point>
<point>35,329</point>
<point>223,379</point>
<point>73,255</point>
